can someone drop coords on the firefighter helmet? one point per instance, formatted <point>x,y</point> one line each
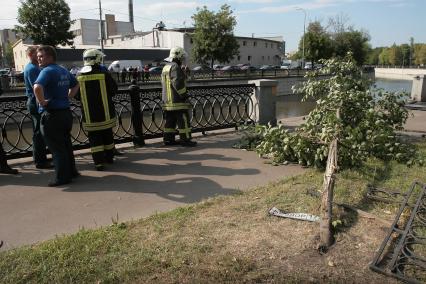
<point>176,53</point>
<point>92,56</point>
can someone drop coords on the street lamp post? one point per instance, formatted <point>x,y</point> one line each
<point>101,30</point>
<point>303,39</point>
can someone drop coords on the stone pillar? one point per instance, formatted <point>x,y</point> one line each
<point>264,101</point>
<point>418,90</point>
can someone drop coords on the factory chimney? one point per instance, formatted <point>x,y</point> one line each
<point>131,14</point>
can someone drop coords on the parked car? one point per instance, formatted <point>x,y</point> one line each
<point>267,67</point>
<point>201,68</point>
<point>248,67</point>
<point>308,66</point>
<point>230,68</point>
<point>156,70</point>
<point>118,65</point>
<point>318,66</point>
<point>217,67</point>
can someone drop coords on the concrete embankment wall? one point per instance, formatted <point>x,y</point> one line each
<point>398,73</point>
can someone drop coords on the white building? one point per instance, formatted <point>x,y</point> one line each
<point>255,51</point>
<point>120,35</point>
<point>87,31</point>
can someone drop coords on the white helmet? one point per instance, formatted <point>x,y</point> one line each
<point>92,56</point>
<point>176,53</point>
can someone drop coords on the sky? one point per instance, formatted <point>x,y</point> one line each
<point>386,21</point>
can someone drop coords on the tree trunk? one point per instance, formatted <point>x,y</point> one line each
<point>326,235</point>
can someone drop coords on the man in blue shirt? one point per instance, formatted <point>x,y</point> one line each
<point>52,87</point>
<point>31,72</point>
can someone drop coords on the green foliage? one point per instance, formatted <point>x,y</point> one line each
<point>9,55</point>
<point>402,55</point>
<point>373,56</point>
<point>318,44</point>
<point>213,39</point>
<point>251,135</point>
<point>420,54</point>
<point>45,22</point>
<point>322,43</point>
<point>364,122</point>
<point>352,41</point>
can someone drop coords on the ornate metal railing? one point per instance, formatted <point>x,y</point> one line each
<point>216,74</point>
<point>215,107</point>
<point>403,252</point>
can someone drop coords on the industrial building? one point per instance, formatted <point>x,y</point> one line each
<point>121,42</point>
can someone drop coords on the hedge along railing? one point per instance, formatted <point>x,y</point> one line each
<point>215,107</point>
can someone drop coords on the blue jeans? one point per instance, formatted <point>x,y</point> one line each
<point>39,145</point>
<point>56,128</point>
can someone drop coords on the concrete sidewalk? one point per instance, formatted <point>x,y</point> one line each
<point>416,122</point>
<point>141,182</point>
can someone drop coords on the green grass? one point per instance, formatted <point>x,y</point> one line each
<point>223,239</point>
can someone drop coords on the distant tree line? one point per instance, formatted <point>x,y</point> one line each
<point>399,55</point>
<point>335,39</point>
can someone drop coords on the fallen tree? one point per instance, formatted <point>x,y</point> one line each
<point>349,124</point>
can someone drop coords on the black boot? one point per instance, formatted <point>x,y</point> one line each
<point>188,143</point>
<point>8,170</point>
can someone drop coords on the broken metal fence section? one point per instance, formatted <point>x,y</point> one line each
<point>213,107</point>
<point>403,252</point>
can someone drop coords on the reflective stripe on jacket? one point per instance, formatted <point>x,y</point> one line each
<point>174,88</point>
<point>96,91</point>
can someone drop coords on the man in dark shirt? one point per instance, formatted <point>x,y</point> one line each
<point>31,72</point>
<point>53,86</point>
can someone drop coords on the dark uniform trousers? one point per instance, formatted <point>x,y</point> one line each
<point>179,118</point>
<point>102,146</point>
<point>39,145</point>
<point>56,129</point>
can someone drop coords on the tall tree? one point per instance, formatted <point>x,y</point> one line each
<point>373,56</point>
<point>395,55</point>
<point>45,21</point>
<point>411,50</point>
<point>384,57</point>
<point>213,39</point>
<point>352,41</point>
<point>420,54</point>
<point>9,55</point>
<point>318,44</point>
<point>405,51</point>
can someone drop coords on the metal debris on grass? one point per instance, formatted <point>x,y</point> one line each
<point>297,216</point>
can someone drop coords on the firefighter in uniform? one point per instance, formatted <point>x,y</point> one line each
<point>175,100</point>
<point>97,88</point>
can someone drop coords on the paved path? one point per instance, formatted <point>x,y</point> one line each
<point>416,121</point>
<point>142,182</point>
